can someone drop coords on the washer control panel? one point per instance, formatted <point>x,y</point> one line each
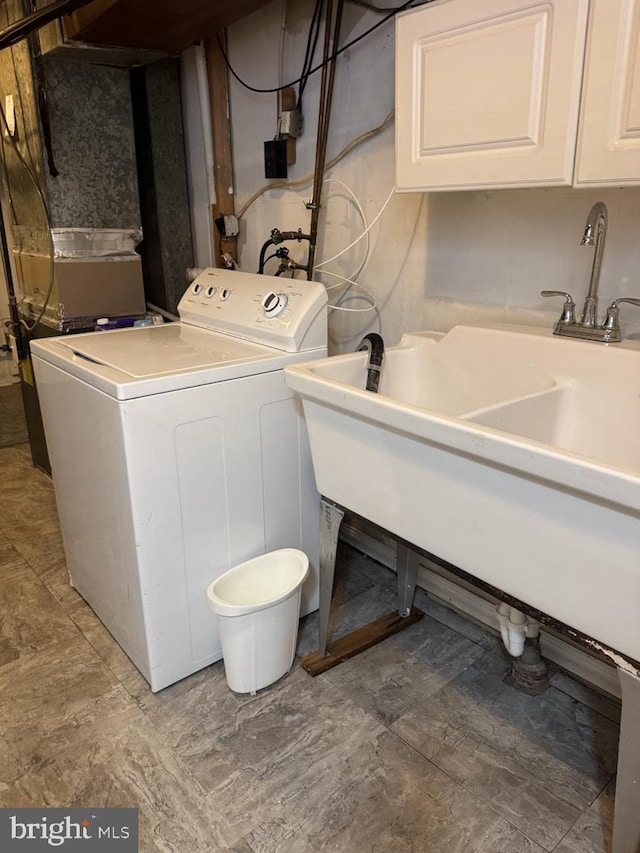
<point>288,314</point>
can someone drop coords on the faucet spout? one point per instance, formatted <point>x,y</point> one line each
<point>607,332</point>
<point>595,232</point>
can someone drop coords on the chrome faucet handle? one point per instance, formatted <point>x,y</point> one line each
<point>611,320</point>
<point>568,309</point>
<point>629,299</point>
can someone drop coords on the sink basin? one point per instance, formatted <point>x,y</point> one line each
<point>507,451</point>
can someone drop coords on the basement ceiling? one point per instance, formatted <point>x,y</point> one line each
<point>167,26</point>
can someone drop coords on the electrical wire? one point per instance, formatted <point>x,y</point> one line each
<point>307,179</point>
<point>9,37</point>
<point>283,31</point>
<point>364,222</point>
<point>31,173</point>
<point>364,233</point>
<point>351,280</point>
<point>316,68</point>
<point>17,84</point>
<point>312,43</point>
<point>352,310</point>
<point>366,294</point>
<point>27,326</point>
<point>351,283</point>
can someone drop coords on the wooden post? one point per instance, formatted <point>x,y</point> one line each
<point>222,152</point>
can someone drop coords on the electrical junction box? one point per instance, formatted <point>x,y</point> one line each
<point>275,158</point>
<point>291,123</point>
<point>228,226</point>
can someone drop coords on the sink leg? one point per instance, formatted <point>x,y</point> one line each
<point>407,567</point>
<point>330,520</point>
<point>626,824</point>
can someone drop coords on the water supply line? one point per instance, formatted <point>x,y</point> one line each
<point>282,253</point>
<point>333,20</point>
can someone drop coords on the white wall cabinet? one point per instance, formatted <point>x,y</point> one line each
<point>510,93</point>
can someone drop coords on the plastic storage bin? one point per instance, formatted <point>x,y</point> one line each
<point>258,608</point>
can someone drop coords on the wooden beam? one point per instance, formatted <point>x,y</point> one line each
<point>166,26</point>
<point>358,641</point>
<point>222,151</point>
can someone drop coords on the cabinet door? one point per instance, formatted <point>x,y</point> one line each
<point>609,134</point>
<point>487,94</point>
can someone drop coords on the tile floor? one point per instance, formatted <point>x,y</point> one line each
<point>8,369</point>
<point>415,745</point>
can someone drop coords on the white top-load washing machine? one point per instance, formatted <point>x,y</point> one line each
<point>177,452</point>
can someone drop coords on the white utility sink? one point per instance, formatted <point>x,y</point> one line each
<point>505,450</point>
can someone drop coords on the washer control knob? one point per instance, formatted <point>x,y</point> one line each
<point>210,291</point>
<point>197,288</point>
<point>274,303</point>
<point>225,293</point>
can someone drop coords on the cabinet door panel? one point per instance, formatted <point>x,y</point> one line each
<point>609,134</point>
<point>487,94</point>
<point>466,112</point>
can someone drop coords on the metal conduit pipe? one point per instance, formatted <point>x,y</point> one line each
<point>331,36</point>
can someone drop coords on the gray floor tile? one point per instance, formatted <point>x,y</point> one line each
<point>31,619</point>
<point>539,761</point>
<point>105,646</point>
<point>243,735</point>
<point>369,793</point>
<point>39,692</point>
<point>55,577</point>
<point>42,551</point>
<point>117,759</point>
<point>593,829</point>
<point>362,607</point>
<point>405,670</point>
<point>478,634</point>
<point>8,554</point>
<point>415,745</point>
<point>605,705</point>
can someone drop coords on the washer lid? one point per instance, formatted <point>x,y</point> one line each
<point>137,362</point>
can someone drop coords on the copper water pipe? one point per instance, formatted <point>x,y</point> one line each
<point>324,112</point>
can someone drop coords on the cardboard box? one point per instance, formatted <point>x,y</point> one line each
<point>83,287</point>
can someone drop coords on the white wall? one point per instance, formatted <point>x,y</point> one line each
<point>434,259</point>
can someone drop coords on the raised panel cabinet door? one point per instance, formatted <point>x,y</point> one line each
<point>609,133</point>
<point>487,94</point>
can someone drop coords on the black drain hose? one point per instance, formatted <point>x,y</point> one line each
<point>374,344</point>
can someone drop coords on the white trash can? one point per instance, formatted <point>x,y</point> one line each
<point>258,608</point>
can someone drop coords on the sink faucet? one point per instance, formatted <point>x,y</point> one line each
<point>595,231</point>
<point>596,221</point>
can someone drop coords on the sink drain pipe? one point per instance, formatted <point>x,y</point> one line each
<point>521,638</point>
<point>515,627</point>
